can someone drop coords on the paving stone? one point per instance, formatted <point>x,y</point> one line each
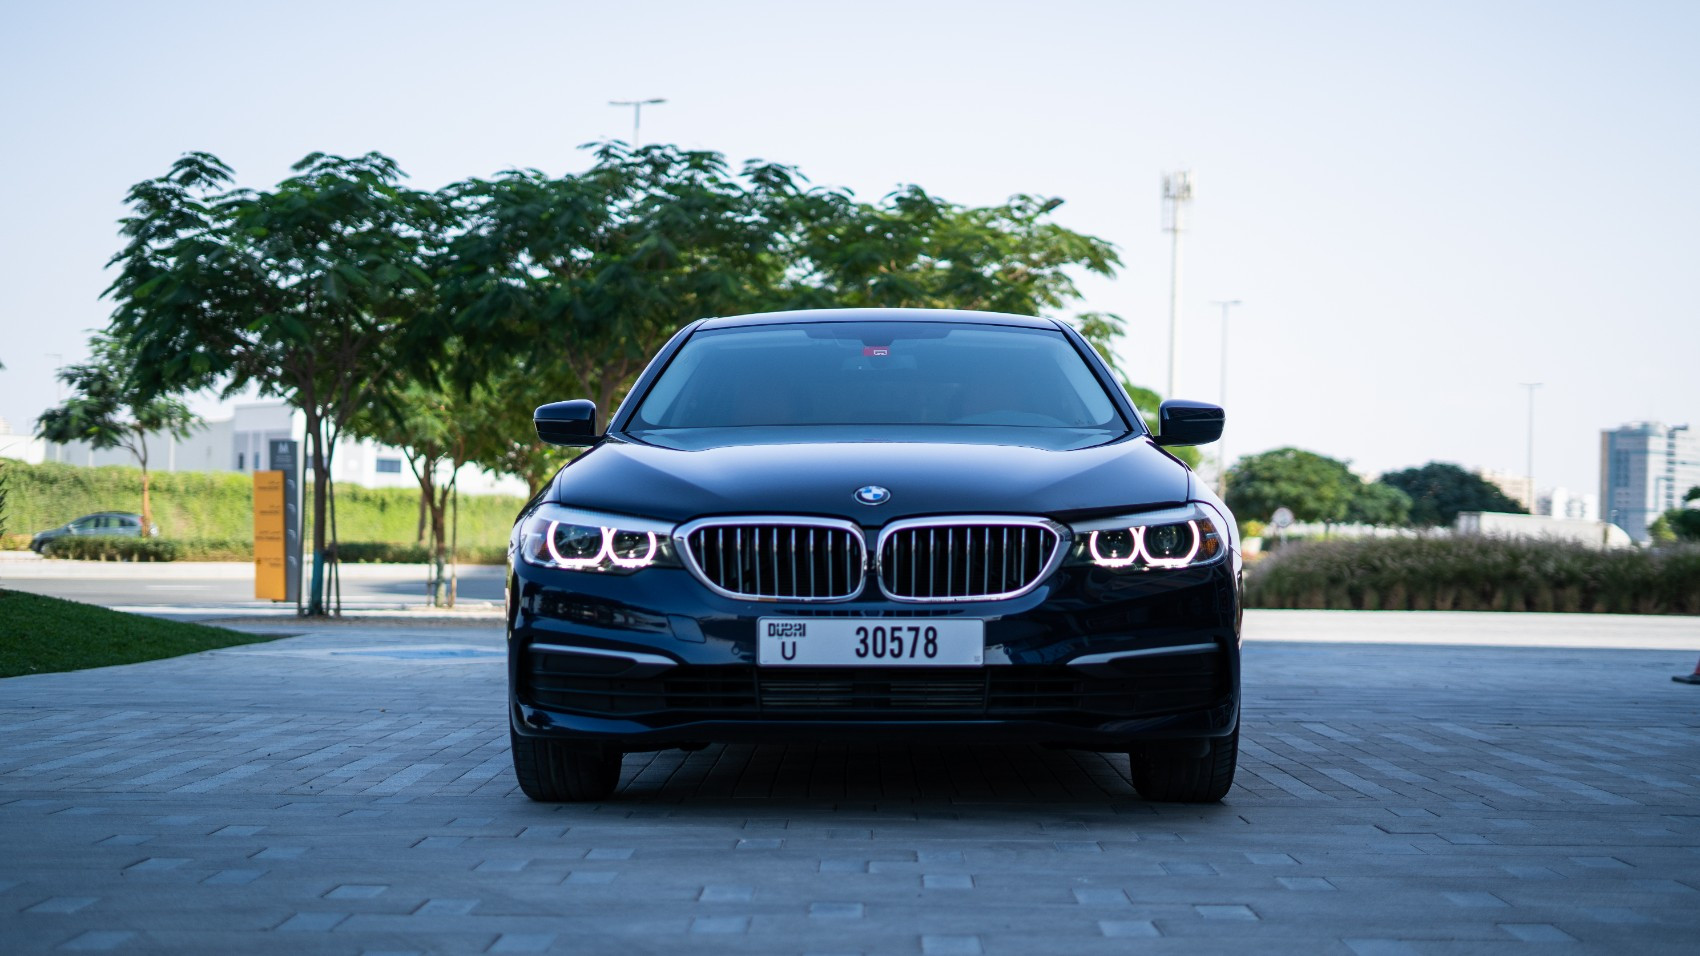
<point>836,910</point>
<point>98,941</point>
<point>62,904</point>
<point>1537,932</point>
<point>1128,927</point>
<point>311,922</point>
<point>522,943</point>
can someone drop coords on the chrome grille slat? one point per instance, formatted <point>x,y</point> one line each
<point>937,559</point>
<point>776,559</point>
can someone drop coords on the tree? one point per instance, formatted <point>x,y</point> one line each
<point>312,292</point>
<point>1314,487</point>
<point>1439,491</point>
<point>108,409</point>
<point>1379,504</point>
<point>572,283</point>
<point>566,286</point>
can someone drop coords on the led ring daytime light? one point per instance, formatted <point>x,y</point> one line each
<point>1133,555</point>
<point>606,551</point>
<point>619,562</point>
<point>1140,551</point>
<point>1156,562</point>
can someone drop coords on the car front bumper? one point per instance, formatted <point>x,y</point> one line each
<point>1092,658</point>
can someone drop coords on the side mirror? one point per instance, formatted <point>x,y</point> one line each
<point>1180,422</point>
<point>567,423</point>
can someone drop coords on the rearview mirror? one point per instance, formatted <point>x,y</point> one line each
<point>1180,422</point>
<point>567,423</point>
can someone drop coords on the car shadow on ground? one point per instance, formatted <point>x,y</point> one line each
<point>782,775</point>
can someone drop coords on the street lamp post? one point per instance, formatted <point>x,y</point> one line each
<point>637,113</point>
<point>1221,445</point>
<point>1530,473</point>
<point>58,398</point>
<point>1177,192</point>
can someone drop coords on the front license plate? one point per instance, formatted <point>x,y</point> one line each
<point>869,642</point>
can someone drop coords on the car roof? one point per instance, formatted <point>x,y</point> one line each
<point>961,316</point>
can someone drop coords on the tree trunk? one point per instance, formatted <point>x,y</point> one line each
<point>147,506</point>
<point>141,452</point>
<point>439,549</point>
<point>321,486</point>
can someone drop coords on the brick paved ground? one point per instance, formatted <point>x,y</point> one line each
<point>348,791</point>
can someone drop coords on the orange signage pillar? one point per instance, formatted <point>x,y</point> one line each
<point>271,551</point>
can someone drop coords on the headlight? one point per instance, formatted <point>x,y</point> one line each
<point>1176,538</point>
<point>558,537</point>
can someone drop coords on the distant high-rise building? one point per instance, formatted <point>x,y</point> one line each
<point>1645,468</point>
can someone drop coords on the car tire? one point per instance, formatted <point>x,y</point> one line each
<point>1185,771</point>
<point>555,771</point>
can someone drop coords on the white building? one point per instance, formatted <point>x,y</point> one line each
<point>1645,468</point>
<point>239,443</point>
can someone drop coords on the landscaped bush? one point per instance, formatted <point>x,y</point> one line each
<point>1476,574</point>
<point>378,552</point>
<point>113,549</point>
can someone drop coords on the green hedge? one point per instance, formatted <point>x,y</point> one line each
<point>200,549</point>
<point>218,506</point>
<point>114,549</point>
<point>1476,574</point>
<point>377,552</point>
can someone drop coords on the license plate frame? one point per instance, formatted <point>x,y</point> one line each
<point>870,642</point>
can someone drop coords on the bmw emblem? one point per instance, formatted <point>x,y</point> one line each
<point>872,495</point>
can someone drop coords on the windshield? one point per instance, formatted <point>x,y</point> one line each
<point>899,374</point>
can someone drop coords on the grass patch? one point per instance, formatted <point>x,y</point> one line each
<point>41,635</point>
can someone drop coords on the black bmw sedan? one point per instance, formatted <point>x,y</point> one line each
<point>861,524</point>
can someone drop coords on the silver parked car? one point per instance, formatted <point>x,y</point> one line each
<point>107,524</point>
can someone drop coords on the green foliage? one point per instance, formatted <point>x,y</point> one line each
<point>1439,491</point>
<point>1476,574</point>
<point>1379,504</point>
<point>1314,487</point>
<point>219,506</point>
<point>102,548</point>
<point>45,635</point>
<point>5,493</point>
<point>1677,524</point>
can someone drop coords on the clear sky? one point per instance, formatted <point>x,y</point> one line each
<point>1421,205</point>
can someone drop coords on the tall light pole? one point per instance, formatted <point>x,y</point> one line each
<point>637,114</point>
<point>1531,386</point>
<point>1221,445</point>
<point>58,397</point>
<point>1177,192</point>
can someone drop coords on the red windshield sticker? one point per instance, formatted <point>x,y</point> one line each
<point>876,350</point>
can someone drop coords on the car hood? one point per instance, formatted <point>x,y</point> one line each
<point>821,479</point>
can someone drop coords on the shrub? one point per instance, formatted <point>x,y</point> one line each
<point>1476,574</point>
<point>113,549</point>
<point>379,552</point>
